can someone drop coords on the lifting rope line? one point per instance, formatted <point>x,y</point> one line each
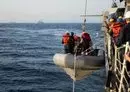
<point>75,60</point>
<point>74,71</point>
<point>75,55</point>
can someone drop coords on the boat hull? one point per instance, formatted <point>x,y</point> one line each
<point>84,64</point>
<point>81,61</point>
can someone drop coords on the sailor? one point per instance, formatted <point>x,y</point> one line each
<point>71,43</point>
<point>125,32</point>
<point>65,42</point>
<point>125,36</point>
<point>112,16</point>
<point>77,47</point>
<point>115,29</point>
<point>120,19</point>
<point>86,40</point>
<point>110,23</point>
<point>76,38</point>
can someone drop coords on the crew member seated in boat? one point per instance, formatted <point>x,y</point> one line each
<point>77,39</point>
<point>85,41</point>
<point>71,43</point>
<point>65,42</point>
<point>77,47</point>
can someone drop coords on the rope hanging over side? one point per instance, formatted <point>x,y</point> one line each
<point>76,52</point>
<point>74,72</point>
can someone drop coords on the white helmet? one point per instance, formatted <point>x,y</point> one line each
<point>67,32</point>
<point>127,15</point>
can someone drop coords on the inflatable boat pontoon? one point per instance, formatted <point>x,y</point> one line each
<point>84,64</point>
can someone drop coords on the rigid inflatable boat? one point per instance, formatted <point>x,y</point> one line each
<point>82,65</point>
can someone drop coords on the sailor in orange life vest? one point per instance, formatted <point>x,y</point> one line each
<point>125,32</point>
<point>115,29</point>
<point>65,42</point>
<point>85,40</point>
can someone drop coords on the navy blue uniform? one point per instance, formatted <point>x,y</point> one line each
<point>124,35</point>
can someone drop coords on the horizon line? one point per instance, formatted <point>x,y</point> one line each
<point>46,22</point>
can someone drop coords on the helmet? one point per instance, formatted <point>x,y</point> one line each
<point>112,16</point>
<point>67,32</point>
<point>72,33</point>
<point>111,20</point>
<point>120,20</point>
<point>120,17</point>
<point>83,32</point>
<point>127,15</point>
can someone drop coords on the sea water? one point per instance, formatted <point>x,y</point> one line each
<point>26,53</point>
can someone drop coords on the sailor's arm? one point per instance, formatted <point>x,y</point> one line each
<point>127,57</point>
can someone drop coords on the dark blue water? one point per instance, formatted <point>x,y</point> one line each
<point>26,52</point>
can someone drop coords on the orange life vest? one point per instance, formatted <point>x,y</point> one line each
<point>65,39</point>
<point>116,28</point>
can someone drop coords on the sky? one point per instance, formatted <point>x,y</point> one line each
<point>50,11</point>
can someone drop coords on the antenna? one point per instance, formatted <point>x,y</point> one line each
<point>84,17</point>
<point>85,7</point>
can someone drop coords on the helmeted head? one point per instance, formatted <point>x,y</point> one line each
<point>127,15</point>
<point>67,32</point>
<point>83,32</point>
<point>120,19</point>
<point>72,33</point>
<point>111,20</point>
<point>112,16</point>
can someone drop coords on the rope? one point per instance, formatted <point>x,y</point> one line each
<point>74,70</point>
<point>119,61</point>
<point>73,86</point>
<point>118,70</point>
<point>127,73</point>
<point>84,52</point>
<point>117,86</point>
<point>126,81</point>
<point>123,88</point>
<point>121,73</point>
<point>117,78</point>
<point>121,47</point>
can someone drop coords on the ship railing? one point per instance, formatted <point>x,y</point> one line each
<point>117,63</point>
<point>120,68</point>
<point>121,71</point>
